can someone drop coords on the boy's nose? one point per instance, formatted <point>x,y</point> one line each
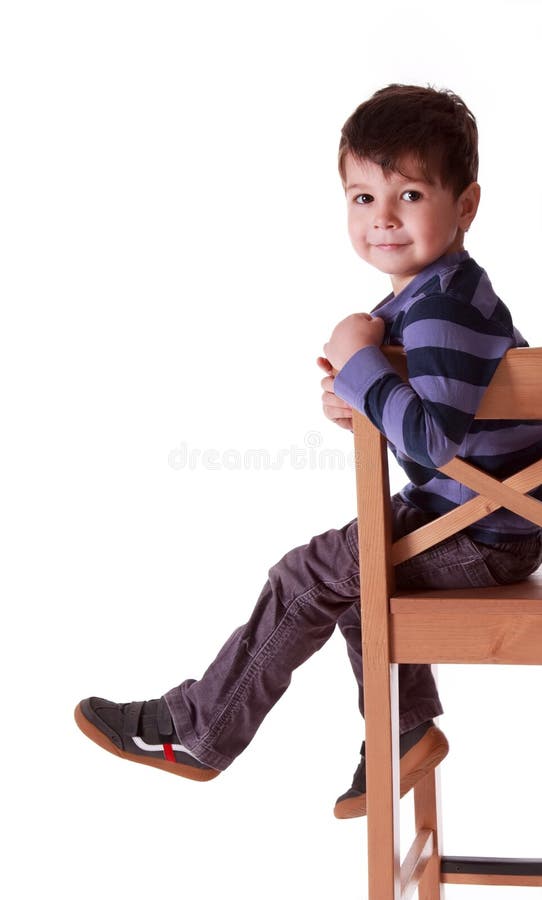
<point>385,217</point>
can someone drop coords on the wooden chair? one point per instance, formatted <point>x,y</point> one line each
<point>488,625</point>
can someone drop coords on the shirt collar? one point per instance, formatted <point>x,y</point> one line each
<point>438,268</point>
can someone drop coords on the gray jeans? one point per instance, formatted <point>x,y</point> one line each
<point>312,589</point>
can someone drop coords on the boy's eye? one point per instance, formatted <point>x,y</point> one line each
<point>411,196</point>
<point>363,198</point>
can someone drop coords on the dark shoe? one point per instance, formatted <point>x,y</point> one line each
<point>420,750</point>
<point>142,732</point>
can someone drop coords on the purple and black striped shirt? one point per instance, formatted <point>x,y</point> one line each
<point>454,330</point>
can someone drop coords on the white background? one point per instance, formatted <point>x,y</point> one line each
<point>174,255</point>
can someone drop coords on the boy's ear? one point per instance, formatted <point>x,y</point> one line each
<point>468,205</point>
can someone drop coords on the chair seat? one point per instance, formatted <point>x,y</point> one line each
<point>523,596</point>
<point>489,625</point>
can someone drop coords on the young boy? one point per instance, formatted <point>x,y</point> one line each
<point>408,160</point>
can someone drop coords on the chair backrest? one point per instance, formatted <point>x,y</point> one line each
<point>514,393</point>
<point>494,625</point>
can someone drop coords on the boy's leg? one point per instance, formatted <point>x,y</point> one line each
<point>418,696</point>
<point>307,591</point>
<point>422,745</point>
<point>215,717</point>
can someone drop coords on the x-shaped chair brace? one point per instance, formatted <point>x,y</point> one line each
<point>492,494</point>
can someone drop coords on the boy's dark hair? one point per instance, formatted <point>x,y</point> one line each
<point>434,127</point>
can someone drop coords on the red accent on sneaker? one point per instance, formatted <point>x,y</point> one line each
<point>168,752</point>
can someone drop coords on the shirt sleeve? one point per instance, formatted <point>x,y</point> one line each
<point>452,352</point>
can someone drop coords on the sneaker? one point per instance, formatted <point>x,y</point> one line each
<point>420,750</point>
<point>142,732</point>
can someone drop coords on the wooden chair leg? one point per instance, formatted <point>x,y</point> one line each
<point>382,759</point>
<point>427,813</point>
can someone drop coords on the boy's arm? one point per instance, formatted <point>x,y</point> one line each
<point>354,332</point>
<point>452,353</point>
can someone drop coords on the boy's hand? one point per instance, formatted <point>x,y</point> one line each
<point>334,408</point>
<point>352,334</point>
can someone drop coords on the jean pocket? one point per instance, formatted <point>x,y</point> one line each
<point>511,562</point>
<point>456,563</point>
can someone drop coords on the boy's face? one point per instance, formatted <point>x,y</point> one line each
<point>402,224</point>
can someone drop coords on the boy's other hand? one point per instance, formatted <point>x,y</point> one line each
<point>334,408</point>
<point>352,334</point>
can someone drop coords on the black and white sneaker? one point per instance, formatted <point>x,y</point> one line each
<point>420,750</point>
<point>142,732</point>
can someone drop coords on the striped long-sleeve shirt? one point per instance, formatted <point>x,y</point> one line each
<point>454,330</point>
